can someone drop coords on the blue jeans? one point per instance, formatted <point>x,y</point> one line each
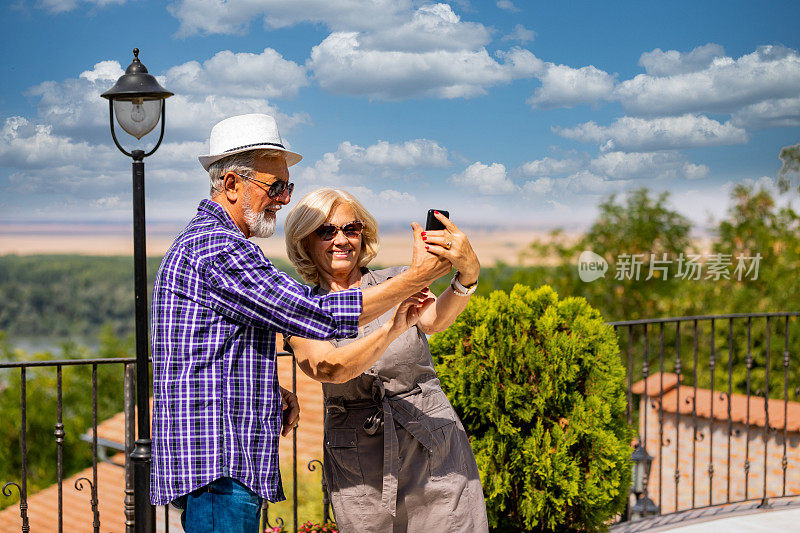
<point>224,505</point>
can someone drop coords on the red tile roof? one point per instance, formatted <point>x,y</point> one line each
<point>682,398</point>
<point>77,509</point>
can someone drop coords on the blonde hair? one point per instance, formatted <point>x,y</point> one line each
<point>311,213</point>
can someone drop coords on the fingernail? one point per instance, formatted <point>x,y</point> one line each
<point>427,247</point>
<point>437,212</point>
<point>424,233</point>
<point>424,237</point>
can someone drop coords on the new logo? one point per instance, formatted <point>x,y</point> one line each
<point>591,266</point>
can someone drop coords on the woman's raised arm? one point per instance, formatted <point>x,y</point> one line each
<point>450,243</point>
<point>321,361</point>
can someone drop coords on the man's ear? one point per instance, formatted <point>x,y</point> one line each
<point>229,187</point>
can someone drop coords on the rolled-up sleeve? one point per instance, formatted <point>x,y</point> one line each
<point>247,288</point>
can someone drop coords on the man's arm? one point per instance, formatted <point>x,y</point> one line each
<point>246,288</point>
<point>425,268</point>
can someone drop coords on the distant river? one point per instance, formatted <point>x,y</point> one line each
<point>50,344</point>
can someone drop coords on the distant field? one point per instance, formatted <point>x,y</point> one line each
<point>491,246</point>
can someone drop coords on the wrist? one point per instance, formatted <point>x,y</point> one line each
<point>460,289</point>
<point>466,278</point>
<point>390,330</point>
<point>415,276</point>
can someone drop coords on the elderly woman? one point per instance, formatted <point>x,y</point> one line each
<point>396,455</point>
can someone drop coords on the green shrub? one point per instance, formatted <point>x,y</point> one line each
<point>540,389</point>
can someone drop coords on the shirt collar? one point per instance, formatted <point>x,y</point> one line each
<point>215,210</point>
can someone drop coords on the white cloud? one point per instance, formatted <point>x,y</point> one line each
<point>725,85</point>
<point>386,196</point>
<point>587,182</point>
<point>660,63</point>
<point>56,171</point>
<point>564,86</point>
<point>264,75</point>
<point>416,153</point>
<point>429,28</point>
<point>61,6</point>
<point>342,65</point>
<point>508,5</point>
<point>29,146</point>
<point>520,34</point>
<point>234,16</point>
<point>383,49</point>
<point>778,113</point>
<point>486,179</point>
<point>103,72</point>
<point>74,108</point>
<point>597,175</point>
<point>695,172</point>
<point>109,202</point>
<point>353,164</point>
<point>537,187</point>
<point>192,117</point>
<point>549,166</point>
<point>638,134</point>
<point>647,166</point>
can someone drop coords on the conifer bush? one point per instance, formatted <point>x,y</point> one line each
<point>540,388</point>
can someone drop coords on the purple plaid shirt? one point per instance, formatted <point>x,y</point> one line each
<point>217,303</point>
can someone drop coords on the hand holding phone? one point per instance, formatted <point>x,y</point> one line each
<point>433,223</point>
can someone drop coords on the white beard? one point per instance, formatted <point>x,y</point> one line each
<point>261,224</point>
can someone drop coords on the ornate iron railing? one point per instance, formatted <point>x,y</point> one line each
<point>129,379</point>
<point>693,419</point>
<point>716,436</point>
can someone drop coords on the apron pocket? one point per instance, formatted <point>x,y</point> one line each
<point>448,457</point>
<point>342,466</point>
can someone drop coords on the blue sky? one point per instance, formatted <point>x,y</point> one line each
<point>507,113</point>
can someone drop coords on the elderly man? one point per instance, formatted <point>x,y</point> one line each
<point>217,305</point>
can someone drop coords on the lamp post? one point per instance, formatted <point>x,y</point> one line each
<point>137,101</point>
<point>641,471</point>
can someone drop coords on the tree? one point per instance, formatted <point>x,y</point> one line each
<point>41,409</point>
<point>790,166</point>
<point>540,389</point>
<point>641,225</point>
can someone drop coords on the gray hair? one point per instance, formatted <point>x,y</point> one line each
<point>241,163</point>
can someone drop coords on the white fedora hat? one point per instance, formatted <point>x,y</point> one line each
<point>243,133</point>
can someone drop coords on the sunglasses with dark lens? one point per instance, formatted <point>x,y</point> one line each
<point>276,188</point>
<point>351,230</point>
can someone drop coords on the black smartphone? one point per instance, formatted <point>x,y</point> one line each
<point>433,223</point>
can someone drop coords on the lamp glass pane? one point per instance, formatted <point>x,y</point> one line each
<point>137,117</point>
<point>638,477</point>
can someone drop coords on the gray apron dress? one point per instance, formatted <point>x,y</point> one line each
<point>396,455</point>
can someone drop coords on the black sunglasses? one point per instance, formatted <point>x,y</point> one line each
<point>276,188</point>
<point>351,230</point>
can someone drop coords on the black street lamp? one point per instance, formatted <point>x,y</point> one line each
<point>137,100</point>
<point>644,506</point>
<point>640,460</point>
